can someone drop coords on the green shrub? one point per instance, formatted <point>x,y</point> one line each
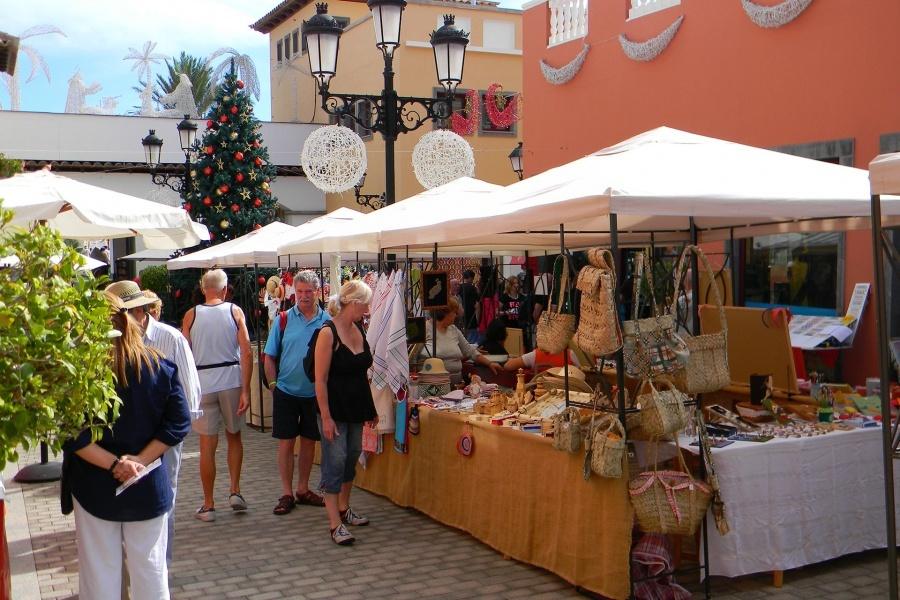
<point>156,279</point>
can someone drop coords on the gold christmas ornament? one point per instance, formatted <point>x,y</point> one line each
<point>223,224</point>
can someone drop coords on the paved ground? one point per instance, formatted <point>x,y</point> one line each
<point>403,554</point>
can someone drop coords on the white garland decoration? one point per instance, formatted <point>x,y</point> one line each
<point>565,73</point>
<point>440,157</point>
<point>778,15</point>
<point>647,51</point>
<point>333,158</point>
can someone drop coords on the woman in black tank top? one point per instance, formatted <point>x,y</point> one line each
<point>342,360</point>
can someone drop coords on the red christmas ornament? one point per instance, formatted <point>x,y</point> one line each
<point>212,236</point>
<point>187,206</point>
<point>223,119</point>
<point>177,294</point>
<point>257,161</point>
<point>255,143</point>
<point>210,123</point>
<point>209,150</point>
<point>257,226</point>
<point>239,177</point>
<point>223,188</point>
<point>239,84</point>
<point>207,201</point>
<point>235,208</point>
<point>261,280</point>
<point>234,110</point>
<point>207,170</point>
<point>238,155</point>
<point>257,202</point>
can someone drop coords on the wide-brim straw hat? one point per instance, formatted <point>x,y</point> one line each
<point>130,294</point>
<point>434,366</point>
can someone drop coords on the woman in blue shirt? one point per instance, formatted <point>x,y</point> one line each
<point>153,416</point>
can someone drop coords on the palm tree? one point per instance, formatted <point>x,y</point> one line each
<point>37,62</point>
<point>197,71</point>
<point>243,67</point>
<point>144,60</point>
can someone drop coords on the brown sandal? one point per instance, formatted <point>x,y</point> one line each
<point>309,498</point>
<point>284,506</point>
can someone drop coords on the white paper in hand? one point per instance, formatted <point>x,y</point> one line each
<point>156,463</point>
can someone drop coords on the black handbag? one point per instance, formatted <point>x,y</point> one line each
<point>66,506</point>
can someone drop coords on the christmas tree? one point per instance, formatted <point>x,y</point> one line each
<point>231,194</point>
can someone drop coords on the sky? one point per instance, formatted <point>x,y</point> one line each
<point>99,34</point>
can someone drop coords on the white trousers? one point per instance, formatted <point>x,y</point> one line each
<point>100,547</point>
<point>173,465</point>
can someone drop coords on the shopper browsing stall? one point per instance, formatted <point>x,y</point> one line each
<point>344,398</point>
<point>452,346</point>
<point>537,360</point>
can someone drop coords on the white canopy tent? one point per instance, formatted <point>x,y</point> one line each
<point>259,247</point>
<point>85,212</point>
<point>654,183</point>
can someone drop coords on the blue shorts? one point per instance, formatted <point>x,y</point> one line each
<point>339,457</point>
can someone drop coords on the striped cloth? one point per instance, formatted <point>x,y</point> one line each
<point>174,347</point>
<point>387,334</point>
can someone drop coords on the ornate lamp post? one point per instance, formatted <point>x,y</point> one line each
<point>515,159</point>
<point>187,137</point>
<point>373,201</point>
<point>388,114</point>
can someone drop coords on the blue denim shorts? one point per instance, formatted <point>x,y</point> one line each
<point>339,457</point>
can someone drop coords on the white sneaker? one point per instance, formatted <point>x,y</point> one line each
<point>341,536</point>
<point>348,517</point>
<point>237,502</point>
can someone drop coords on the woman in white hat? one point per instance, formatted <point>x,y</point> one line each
<point>452,346</point>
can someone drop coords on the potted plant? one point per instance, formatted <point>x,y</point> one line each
<point>825,402</point>
<point>55,374</point>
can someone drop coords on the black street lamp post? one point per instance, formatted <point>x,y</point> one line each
<point>388,113</point>
<point>515,160</point>
<point>187,137</point>
<point>373,201</point>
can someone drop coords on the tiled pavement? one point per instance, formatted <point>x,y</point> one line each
<point>403,554</point>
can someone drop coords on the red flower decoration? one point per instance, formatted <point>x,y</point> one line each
<point>509,113</point>
<point>469,124</point>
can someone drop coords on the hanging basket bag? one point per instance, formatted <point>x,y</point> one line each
<point>662,411</point>
<point>670,502</point>
<point>652,347</point>
<point>555,329</point>
<point>598,322</point>
<point>707,365</point>
<point>567,430</point>
<point>607,447</point>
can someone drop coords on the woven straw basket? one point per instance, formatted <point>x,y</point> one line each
<point>554,328</point>
<point>662,411</point>
<point>598,325</point>
<point>608,447</point>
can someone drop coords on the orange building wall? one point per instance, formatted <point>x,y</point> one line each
<point>829,74</point>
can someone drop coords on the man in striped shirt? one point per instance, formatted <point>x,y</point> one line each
<point>174,347</point>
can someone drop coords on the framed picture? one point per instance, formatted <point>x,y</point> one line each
<point>435,290</point>
<point>415,330</point>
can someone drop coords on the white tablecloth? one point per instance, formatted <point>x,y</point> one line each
<point>798,501</point>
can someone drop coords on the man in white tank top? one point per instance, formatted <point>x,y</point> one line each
<point>217,331</point>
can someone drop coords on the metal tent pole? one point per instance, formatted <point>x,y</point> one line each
<point>259,364</point>
<point>322,276</point>
<point>620,355</point>
<point>562,251</point>
<point>433,320</point>
<point>885,375</point>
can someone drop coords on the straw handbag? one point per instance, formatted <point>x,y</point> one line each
<point>598,324</point>
<point>555,329</point>
<point>652,347</point>
<point>567,430</point>
<point>606,446</point>
<point>670,502</point>
<point>662,411</point>
<point>707,365</point>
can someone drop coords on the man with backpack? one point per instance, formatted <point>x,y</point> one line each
<point>293,394</point>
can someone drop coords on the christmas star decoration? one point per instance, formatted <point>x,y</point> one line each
<point>220,163</point>
<point>252,175</point>
<point>245,193</point>
<point>224,144</point>
<point>220,207</point>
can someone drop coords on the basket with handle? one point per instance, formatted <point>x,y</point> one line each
<point>670,502</point>
<point>662,410</point>
<point>598,331</point>
<point>652,347</point>
<point>707,364</point>
<point>555,328</point>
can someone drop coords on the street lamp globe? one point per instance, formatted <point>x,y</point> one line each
<point>187,133</point>
<point>386,17</point>
<point>449,45</point>
<point>515,159</point>
<point>152,149</point>
<point>323,36</point>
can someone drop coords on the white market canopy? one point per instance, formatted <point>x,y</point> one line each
<point>884,174</point>
<point>259,247</point>
<point>403,223</point>
<point>81,211</point>
<point>654,183</point>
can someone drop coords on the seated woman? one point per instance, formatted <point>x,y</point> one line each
<point>494,337</point>
<point>452,346</point>
<point>537,360</point>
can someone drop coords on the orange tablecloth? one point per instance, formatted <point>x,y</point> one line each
<point>516,494</point>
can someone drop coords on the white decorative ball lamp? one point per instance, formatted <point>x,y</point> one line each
<point>440,157</point>
<point>333,158</point>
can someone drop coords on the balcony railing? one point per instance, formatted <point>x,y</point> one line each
<point>568,20</point>
<point>639,8</point>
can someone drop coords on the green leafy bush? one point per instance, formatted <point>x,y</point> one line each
<point>55,365</point>
<point>156,279</point>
